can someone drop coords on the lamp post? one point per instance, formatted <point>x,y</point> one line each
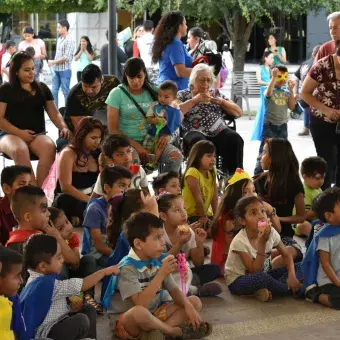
<point>112,37</point>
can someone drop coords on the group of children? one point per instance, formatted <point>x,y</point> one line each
<point>135,243</point>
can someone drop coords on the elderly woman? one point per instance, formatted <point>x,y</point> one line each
<point>204,111</point>
<point>321,90</point>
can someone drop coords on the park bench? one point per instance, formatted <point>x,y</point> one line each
<point>245,86</point>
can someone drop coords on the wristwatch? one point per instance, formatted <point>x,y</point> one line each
<point>273,213</point>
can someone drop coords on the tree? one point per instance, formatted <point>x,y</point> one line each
<point>235,17</point>
<point>52,6</point>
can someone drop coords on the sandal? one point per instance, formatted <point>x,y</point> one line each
<point>92,302</point>
<point>204,329</point>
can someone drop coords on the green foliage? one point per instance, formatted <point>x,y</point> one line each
<point>52,6</point>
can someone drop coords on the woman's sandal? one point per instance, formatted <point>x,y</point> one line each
<point>204,329</point>
<point>91,301</point>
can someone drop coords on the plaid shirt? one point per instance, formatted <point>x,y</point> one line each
<point>59,308</point>
<point>65,48</point>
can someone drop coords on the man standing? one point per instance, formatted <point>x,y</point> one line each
<point>62,61</point>
<point>334,31</point>
<point>145,43</point>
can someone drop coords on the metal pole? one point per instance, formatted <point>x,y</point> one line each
<point>112,37</point>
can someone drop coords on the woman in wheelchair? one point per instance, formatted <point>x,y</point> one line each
<point>205,111</point>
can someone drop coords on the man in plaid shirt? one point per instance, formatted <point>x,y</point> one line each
<point>62,61</point>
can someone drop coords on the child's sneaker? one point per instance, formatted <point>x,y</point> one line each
<point>150,168</point>
<point>209,289</point>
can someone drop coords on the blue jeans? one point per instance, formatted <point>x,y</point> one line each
<point>61,78</point>
<point>167,164</point>
<point>269,131</point>
<point>306,113</point>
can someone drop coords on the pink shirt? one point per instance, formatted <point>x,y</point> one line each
<point>37,44</point>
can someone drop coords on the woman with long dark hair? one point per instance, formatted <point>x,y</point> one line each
<point>22,122</point>
<point>174,60</point>
<point>280,55</point>
<point>78,168</point>
<point>127,105</point>
<point>84,54</point>
<point>32,40</point>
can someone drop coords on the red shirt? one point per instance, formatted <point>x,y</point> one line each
<point>21,235</point>
<point>74,242</point>
<point>325,50</point>
<point>7,220</point>
<point>135,53</point>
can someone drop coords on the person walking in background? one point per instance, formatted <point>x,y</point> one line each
<point>10,50</point>
<point>32,40</point>
<point>280,56</point>
<point>300,76</point>
<point>137,33</point>
<point>104,59</point>
<point>62,61</point>
<point>84,54</point>
<point>145,43</point>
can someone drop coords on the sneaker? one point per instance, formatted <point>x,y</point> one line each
<point>304,132</point>
<point>150,168</point>
<point>210,289</point>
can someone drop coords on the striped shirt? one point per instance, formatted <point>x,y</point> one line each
<point>65,48</point>
<point>59,309</point>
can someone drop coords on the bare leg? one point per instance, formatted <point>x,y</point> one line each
<point>324,300</point>
<point>44,148</point>
<point>176,315</point>
<point>139,319</point>
<point>277,261</point>
<point>15,148</point>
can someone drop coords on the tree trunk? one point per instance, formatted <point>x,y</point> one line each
<point>242,31</point>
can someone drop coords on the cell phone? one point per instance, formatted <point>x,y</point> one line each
<point>41,133</point>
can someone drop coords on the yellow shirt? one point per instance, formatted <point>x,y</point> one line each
<point>207,186</point>
<point>6,319</point>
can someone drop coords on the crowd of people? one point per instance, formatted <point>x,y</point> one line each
<point>146,243</point>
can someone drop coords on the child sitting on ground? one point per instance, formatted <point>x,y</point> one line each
<point>281,187</point>
<point>180,238</point>
<point>114,180</point>
<point>321,265</point>
<point>313,170</point>
<point>251,249</point>
<point>165,117</point>
<point>223,229</point>
<point>51,319</point>
<point>138,306</point>
<point>200,192</point>
<point>29,206</point>
<point>12,178</point>
<point>277,101</point>
<point>117,150</point>
<point>167,182</point>
<point>74,265</point>
<point>11,324</point>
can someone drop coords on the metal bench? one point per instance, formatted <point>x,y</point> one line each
<point>245,86</point>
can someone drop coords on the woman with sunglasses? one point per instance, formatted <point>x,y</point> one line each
<point>23,102</point>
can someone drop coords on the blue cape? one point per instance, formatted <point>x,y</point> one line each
<point>39,290</point>
<point>128,261</point>
<point>259,119</point>
<point>310,264</point>
<point>18,325</point>
<point>122,249</point>
<point>173,117</point>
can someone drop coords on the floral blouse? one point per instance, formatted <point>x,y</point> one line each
<point>328,90</point>
<point>205,118</point>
